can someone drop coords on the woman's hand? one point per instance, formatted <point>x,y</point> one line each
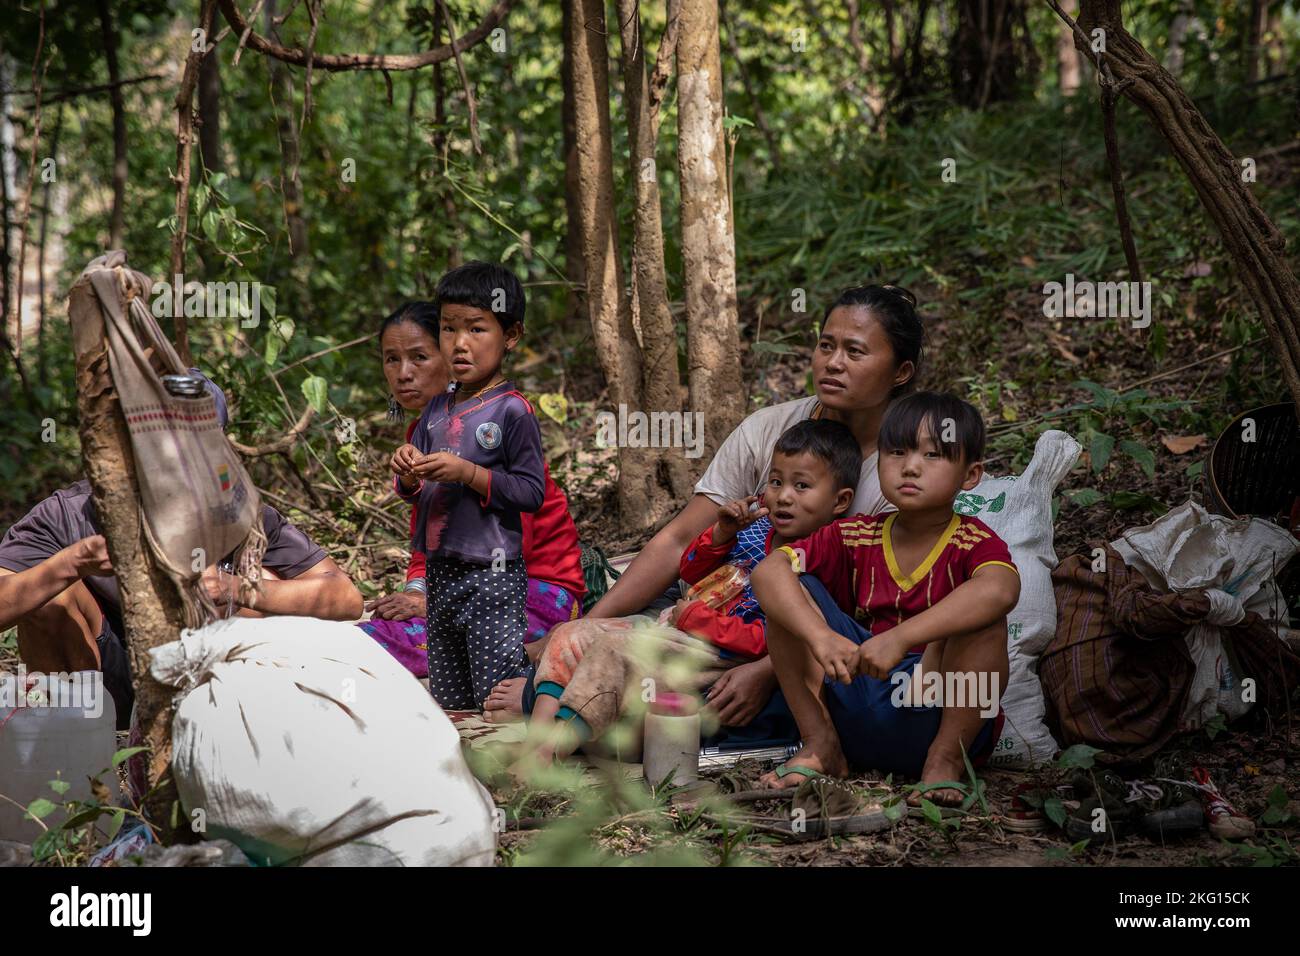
<point>443,466</point>
<point>735,515</point>
<point>739,694</point>
<point>401,606</point>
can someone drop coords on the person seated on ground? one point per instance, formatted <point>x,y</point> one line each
<point>868,352</point>
<point>473,466</point>
<point>844,617</point>
<point>68,607</point>
<point>588,666</point>
<point>417,373</point>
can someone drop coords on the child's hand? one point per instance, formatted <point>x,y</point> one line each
<point>404,460</point>
<point>733,516</point>
<point>673,614</point>
<point>878,656</point>
<point>442,466</point>
<point>837,655</point>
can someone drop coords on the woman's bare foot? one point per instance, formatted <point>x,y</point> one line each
<point>831,766</point>
<point>506,701</point>
<point>938,768</point>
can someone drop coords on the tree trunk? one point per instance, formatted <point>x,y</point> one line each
<point>42,371</point>
<point>708,237</point>
<point>575,267</point>
<point>669,478</point>
<point>151,605</point>
<point>1069,64</point>
<point>982,58</point>
<point>440,144</point>
<point>117,221</point>
<point>1177,37</point>
<point>610,311</point>
<point>1256,246</point>
<point>290,175</point>
<point>210,112</point>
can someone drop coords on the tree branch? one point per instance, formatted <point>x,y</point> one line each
<point>282,444</point>
<point>464,79</point>
<point>664,60</point>
<point>335,62</point>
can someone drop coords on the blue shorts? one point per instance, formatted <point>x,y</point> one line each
<point>874,733</point>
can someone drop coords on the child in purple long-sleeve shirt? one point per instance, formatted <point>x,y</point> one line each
<point>473,465</point>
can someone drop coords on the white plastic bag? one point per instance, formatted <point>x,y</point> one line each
<point>1235,563</point>
<point>304,742</point>
<point>1019,510</point>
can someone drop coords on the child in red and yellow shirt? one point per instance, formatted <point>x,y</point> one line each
<point>860,610</point>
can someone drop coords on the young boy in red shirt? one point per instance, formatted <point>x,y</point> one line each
<point>588,664</point>
<point>854,608</point>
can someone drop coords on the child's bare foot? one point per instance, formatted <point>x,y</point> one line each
<point>833,765</point>
<point>938,768</point>
<point>506,701</point>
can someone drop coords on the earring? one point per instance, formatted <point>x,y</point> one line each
<point>394,410</point>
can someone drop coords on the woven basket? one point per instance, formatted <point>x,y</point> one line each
<point>1259,478</point>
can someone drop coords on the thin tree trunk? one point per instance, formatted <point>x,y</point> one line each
<point>1069,64</point>
<point>441,146</point>
<point>760,120</point>
<point>290,173</point>
<point>210,112</point>
<point>1174,52</point>
<point>117,221</point>
<point>184,149</point>
<point>575,267</point>
<point>42,375</point>
<point>1257,248</point>
<point>708,237</point>
<point>611,317</point>
<point>660,381</point>
<point>151,605</point>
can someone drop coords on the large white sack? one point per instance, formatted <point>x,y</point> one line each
<point>292,734</point>
<point>1019,510</point>
<point>1234,562</point>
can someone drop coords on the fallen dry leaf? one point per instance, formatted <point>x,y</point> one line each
<point>1182,444</point>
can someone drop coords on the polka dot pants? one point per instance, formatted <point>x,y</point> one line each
<point>476,630</point>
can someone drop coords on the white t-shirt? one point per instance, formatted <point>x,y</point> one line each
<point>743,460</point>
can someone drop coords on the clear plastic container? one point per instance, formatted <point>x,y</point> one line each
<point>672,741</point>
<point>42,741</point>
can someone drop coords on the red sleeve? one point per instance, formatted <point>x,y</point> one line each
<point>723,630</point>
<point>702,557</point>
<point>989,549</point>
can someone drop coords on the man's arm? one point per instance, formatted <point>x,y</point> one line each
<point>22,592</point>
<point>323,591</point>
<point>655,568</point>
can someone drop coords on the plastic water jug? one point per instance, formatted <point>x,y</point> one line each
<point>52,727</point>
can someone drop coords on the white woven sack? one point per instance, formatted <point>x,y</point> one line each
<point>306,743</point>
<point>1019,510</point>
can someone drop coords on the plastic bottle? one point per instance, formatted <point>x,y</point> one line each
<point>672,740</point>
<point>40,742</point>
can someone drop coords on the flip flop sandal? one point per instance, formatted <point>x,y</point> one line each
<point>784,770</point>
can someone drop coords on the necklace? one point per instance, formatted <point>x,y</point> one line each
<point>456,396</point>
